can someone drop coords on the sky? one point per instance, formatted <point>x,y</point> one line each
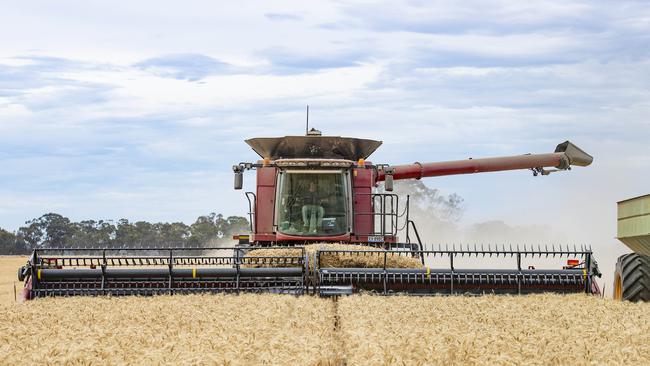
<point>138,110</point>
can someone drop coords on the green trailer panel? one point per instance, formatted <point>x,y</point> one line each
<point>634,223</point>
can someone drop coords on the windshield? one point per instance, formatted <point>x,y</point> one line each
<point>312,203</point>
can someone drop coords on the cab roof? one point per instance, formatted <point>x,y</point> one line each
<point>313,146</point>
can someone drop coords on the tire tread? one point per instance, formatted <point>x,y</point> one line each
<point>634,270</point>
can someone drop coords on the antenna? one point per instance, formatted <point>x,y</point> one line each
<point>307,126</point>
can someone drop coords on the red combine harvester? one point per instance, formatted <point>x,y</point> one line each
<point>321,189</point>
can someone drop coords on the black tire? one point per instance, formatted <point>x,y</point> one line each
<point>632,278</point>
<point>21,274</point>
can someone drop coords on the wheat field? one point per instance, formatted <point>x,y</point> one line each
<point>494,330</point>
<point>288,330</point>
<point>9,265</point>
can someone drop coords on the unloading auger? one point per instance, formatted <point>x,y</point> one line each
<point>321,189</point>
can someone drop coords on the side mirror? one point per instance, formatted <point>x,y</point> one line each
<point>388,183</point>
<point>239,179</point>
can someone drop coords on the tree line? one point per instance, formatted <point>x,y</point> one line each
<point>56,231</point>
<point>436,213</point>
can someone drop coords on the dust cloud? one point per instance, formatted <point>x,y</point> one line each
<point>439,220</point>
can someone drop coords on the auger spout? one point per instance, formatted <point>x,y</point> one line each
<point>566,155</point>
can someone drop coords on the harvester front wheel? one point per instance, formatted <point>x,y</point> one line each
<point>632,278</point>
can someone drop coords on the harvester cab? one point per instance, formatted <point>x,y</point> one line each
<point>311,188</point>
<point>316,189</point>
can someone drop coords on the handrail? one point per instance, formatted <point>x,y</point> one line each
<point>417,235</point>
<point>251,209</point>
<point>381,201</point>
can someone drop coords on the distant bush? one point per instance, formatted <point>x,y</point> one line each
<point>56,231</point>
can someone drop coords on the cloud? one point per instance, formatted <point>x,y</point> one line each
<point>282,17</point>
<point>285,61</point>
<point>478,17</point>
<point>21,73</point>
<point>44,83</point>
<point>189,66</point>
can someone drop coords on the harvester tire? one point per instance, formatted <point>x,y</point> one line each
<point>632,278</point>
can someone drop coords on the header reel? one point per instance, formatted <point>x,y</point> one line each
<point>154,271</point>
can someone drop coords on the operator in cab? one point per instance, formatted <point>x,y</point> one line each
<point>312,210</point>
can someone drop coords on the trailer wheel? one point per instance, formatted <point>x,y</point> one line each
<point>632,278</point>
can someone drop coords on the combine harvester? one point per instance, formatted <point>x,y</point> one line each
<point>320,189</point>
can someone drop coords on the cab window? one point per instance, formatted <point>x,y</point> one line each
<point>312,203</point>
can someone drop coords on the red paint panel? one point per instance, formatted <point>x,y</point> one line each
<point>266,176</point>
<point>262,238</point>
<point>265,205</point>
<point>362,181</point>
<point>289,238</point>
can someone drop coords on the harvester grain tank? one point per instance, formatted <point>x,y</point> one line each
<point>632,274</point>
<point>322,189</point>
